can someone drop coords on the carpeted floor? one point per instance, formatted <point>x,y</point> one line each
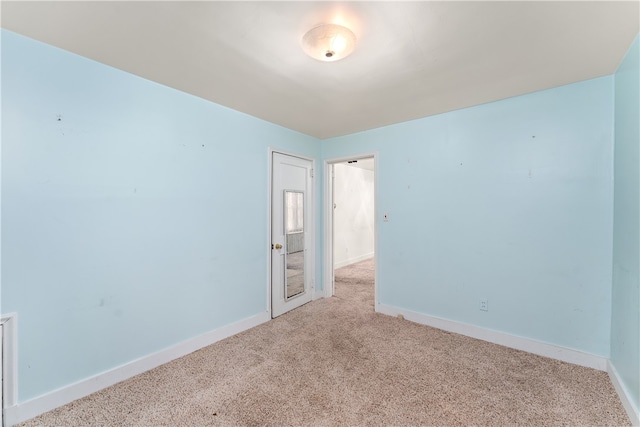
<point>334,362</point>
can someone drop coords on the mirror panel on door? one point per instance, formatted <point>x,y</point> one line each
<point>294,255</point>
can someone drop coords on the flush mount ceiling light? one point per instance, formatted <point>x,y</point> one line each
<point>329,42</point>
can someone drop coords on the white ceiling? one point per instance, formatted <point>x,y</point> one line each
<point>413,59</point>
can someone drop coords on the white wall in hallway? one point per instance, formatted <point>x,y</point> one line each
<point>353,215</point>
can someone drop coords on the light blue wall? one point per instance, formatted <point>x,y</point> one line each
<point>137,220</point>
<point>134,215</point>
<point>625,323</point>
<point>509,201</point>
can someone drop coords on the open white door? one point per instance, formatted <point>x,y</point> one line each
<point>291,233</point>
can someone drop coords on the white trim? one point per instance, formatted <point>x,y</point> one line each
<point>327,255</point>
<point>632,410</point>
<point>376,225</point>
<point>9,359</point>
<point>512,341</point>
<point>41,404</point>
<point>354,260</point>
<point>269,188</point>
<point>328,258</point>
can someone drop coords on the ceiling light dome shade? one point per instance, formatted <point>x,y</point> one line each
<point>329,42</point>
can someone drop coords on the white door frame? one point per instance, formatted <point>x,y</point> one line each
<point>312,223</point>
<point>327,258</point>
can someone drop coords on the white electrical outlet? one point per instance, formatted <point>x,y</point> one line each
<point>484,305</point>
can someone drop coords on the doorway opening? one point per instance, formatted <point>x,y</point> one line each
<point>351,225</point>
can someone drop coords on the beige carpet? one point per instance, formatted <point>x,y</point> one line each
<point>334,362</point>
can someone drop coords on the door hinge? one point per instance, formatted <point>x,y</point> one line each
<point>311,172</point>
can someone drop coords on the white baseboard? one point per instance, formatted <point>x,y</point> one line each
<point>512,341</point>
<point>316,294</point>
<point>41,404</point>
<point>629,406</point>
<point>353,260</point>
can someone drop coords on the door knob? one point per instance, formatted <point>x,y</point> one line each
<point>278,246</point>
